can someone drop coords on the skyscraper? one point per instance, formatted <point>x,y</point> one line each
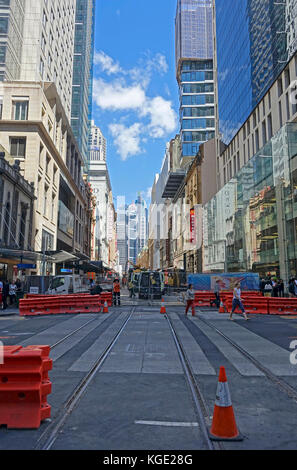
<point>83,73</point>
<point>48,46</point>
<point>255,40</point>
<point>12,18</point>
<point>100,181</point>
<point>194,71</point>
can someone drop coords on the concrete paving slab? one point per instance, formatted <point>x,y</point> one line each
<point>73,340</point>
<point>89,357</point>
<point>243,365</point>
<point>198,361</point>
<point>272,356</point>
<point>59,331</point>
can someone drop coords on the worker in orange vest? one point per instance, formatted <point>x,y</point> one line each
<point>116,292</point>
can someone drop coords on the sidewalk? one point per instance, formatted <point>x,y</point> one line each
<point>9,311</point>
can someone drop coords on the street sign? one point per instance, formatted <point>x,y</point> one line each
<point>26,266</point>
<point>66,270</point>
<point>34,290</point>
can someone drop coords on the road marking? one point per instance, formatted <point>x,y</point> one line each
<point>168,423</point>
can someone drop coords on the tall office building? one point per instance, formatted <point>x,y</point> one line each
<point>98,176</point>
<point>194,71</point>
<point>255,40</point>
<point>83,73</point>
<point>48,45</point>
<point>122,239</point>
<point>37,44</point>
<point>12,17</point>
<point>97,143</point>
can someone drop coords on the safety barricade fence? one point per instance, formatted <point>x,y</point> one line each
<point>60,305</point>
<point>204,299</point>
<point>282,306</point>
<point>24,386</point>
<point>251,305</point>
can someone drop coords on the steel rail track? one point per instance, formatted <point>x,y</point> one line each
<point>48,438</point>
<point>201,409</point>
<point>281,384</point>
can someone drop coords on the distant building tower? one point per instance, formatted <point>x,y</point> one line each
<point>99,178</point>
<point>97,144</point>
<point>82,88</point>
<point>195,75</point>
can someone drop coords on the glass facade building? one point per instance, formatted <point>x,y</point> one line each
<point>255,40</point>
<point>251,223</point>
<point>81,109</point>
<point>194,70</point>
<point>12,16</point>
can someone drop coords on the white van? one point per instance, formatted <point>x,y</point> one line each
<point>64,285</point>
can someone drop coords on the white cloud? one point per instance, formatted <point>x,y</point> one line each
<point>118,96</point>
<point>126,139</point>
<point>128,92</point>
<point>106,63</point>
<point>162,116</point>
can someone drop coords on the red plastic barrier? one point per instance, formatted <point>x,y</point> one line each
<point>282,306</point>
<point>24,386</point>
<point>48,305</point>
<point>251,305</point>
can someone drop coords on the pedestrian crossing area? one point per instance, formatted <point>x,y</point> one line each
<point>146,345</point>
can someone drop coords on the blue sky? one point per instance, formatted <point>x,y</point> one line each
<point>135,99</point>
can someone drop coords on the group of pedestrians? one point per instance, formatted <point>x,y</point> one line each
<point>9,290</point>
<point>236,302</point>
<point>272,287</point>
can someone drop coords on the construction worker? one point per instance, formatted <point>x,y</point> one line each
<point>116,292</point>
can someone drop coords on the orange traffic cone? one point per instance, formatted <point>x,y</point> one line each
<point>222,308</point>
<point>105,309</point>
<point>163,308</point>
<point>223,423</point>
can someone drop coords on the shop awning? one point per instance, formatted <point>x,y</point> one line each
<point>173,183</point>
<point>24,255</point>
<point>60,256</point>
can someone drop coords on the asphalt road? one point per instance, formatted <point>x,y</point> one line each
<point>139,398</point>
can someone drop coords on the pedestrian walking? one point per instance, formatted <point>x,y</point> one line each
<point>116,292</point>
<point>281,288</point>
<point>12,292</point>
<point>237,301</point>
<point>268,288</point>
<point>295,287</point>
<point>190,297</point>
<point>262,286</point>
<point>131,290</point>
<point>217,290</point>
<point>5,293</point>
<point>291,288</point>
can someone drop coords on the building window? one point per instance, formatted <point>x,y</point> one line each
<point>257,140</point>
<point>47,163</point>
<point>264,136</point>
<point>45,200</point>
<point>287,78</point>
<point>41,68</point>
<point>269,125</point>
<point>18,147</point>
<point>280,114</point>
<point>20,110</point>
<point>280,87</point>
<point>287,106</point>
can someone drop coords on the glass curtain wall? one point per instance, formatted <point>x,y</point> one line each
<point>251,224</point>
